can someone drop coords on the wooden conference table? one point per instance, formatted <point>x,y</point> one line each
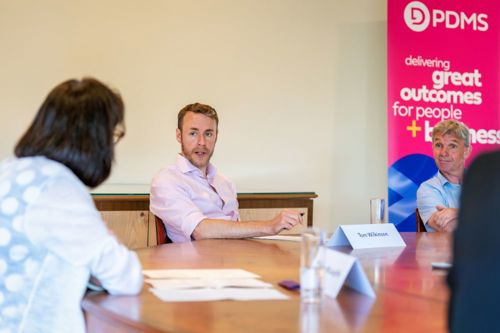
<point>411,297</point>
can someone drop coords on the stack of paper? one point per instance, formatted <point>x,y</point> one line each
<point>191,285</point>
<point>290,238</point>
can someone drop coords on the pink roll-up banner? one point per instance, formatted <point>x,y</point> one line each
<point>443,62</point>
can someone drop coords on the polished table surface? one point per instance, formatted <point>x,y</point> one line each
<point>411,296</point>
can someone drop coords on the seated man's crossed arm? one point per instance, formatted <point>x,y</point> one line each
<point>434,210</point>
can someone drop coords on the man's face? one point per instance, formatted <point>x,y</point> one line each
<point>197,139</point>
<point>450,154</point>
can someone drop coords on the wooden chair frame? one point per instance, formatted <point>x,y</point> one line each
<point>161,232</point>
<point>420,222</point>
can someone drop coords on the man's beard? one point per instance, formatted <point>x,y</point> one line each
<point>190,156</point>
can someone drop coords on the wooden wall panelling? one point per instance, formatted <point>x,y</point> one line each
<point>152,241</point>
<point>129,218</point>
<point>131,227</point>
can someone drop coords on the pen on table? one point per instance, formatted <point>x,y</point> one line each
<point>289,284</point>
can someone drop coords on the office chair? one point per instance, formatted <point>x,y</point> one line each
<point>161,232</point>
<point>420,223</point>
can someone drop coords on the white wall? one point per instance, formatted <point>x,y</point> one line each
<point>300,86</point>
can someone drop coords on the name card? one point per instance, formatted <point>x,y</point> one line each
<point>342,268</point>
<point>366,236</point>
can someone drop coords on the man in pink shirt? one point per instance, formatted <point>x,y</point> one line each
<point>193,199</point>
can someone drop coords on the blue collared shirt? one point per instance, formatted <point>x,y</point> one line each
<point>436,191</point>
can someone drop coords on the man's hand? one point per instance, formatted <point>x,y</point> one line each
<point>287,219</point>
<point>444,220</point>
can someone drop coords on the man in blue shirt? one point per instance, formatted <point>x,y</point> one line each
<point>438,197</point>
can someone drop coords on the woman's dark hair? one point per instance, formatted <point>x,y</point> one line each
<point>75,126</point>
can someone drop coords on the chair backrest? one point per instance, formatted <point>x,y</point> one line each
<point>420,223</point>
<point>161,233</point>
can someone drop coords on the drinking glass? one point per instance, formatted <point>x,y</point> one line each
<point>311,265</point>
<point>377,210</point>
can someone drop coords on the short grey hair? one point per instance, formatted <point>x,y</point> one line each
<point>452,127</point>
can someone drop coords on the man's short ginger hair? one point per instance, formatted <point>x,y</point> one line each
<point>203,109</point>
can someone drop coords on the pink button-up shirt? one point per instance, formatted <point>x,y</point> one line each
<point>182,197</point>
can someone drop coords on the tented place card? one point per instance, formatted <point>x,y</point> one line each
<point>365,236</point>
<point>342,268</point>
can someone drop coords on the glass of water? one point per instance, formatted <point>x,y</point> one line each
<point>377,210</point>
<point>311,265</point>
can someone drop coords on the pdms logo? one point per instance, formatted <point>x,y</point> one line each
<point>418,18</point>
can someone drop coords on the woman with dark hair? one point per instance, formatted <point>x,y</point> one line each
<point>52,238</point>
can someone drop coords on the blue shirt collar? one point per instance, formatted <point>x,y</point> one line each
<point>444,181</point>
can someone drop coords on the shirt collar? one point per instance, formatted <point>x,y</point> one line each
<point>187,167</point>
<point>443,180</point>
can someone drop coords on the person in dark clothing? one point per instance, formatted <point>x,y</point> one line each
<point>474,278</point>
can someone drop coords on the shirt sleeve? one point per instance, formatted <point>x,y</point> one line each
<point>64,220</point>
<point>172,204</point>
<point>428,197</point>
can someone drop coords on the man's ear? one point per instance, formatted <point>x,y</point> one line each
<point>468,150</point>
<point>178,135</point>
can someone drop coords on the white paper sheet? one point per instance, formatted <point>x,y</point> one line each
<point>199,274</point>
<point>200,295</point>
<point>281,238</point>
<point>172,284</point>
